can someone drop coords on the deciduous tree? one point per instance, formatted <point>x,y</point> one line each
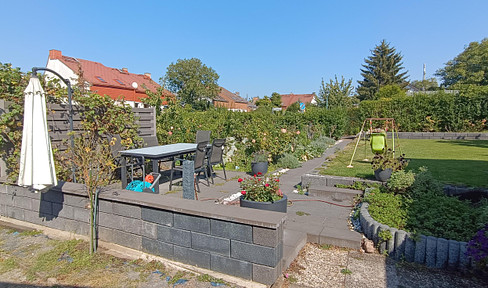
<point>335,93</point>
<point>192,82</point>
<point>469,67</point>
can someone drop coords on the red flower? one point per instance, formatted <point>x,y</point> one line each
<point>239,180</point>
<point>259,173</point>
<point>277,180</point>
<point>266,185</point>
<point>243,192</point>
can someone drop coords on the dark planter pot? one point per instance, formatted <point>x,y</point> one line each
<point>383,175</point>
<point>278,206</point>
<point>259,167</point>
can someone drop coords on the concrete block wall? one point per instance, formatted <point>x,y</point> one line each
<point>442,135</point>
<point>226,239</point>
<point>428,250</point>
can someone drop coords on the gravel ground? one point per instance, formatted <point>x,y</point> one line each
<point>19,249</point>
<point>336,267</point>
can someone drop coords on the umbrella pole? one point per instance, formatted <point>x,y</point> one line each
<point>70,112</point>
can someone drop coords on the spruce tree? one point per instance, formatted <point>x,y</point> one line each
<point>382,68</point>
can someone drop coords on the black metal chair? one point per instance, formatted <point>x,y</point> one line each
<point>199,165</point>
<point>216,156</point>
<point>115,143</point>
<point>202,135</point>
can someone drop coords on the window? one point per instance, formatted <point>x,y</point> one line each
<point>100,79</point>
<point>120,82</point>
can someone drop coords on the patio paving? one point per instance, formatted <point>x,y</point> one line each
<point>309,219</point>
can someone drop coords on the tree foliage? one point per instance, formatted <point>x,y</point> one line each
<point>425,85</point>
<point>335,93</point>
<point>275,99</point>
<point>469,67</point>
<point>390,91</point>
<point>383,67</point>
<point>192,82</point>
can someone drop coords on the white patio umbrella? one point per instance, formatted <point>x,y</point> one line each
<point>36,158</point>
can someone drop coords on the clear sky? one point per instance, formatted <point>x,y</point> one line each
<point>257,47</point>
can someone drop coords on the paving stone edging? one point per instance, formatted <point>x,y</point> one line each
<point>428,250</point>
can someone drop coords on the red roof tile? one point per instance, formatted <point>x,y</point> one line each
<point>227,95</point>
<point>98,74</point>
<point>288,99</point>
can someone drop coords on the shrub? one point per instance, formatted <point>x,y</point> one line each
<point>400,181</point>
<point>478,249</point>
<point>387,160</point>
<point>288,160</point>
<point>424,183</point>
<point>387,208</point>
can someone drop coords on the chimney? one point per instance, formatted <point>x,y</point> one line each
<point>147,75</point>
<point>125,70</point>
<point>237,93</point>
<point>55,54</point>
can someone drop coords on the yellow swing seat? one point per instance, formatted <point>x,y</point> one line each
<point>378,142</point>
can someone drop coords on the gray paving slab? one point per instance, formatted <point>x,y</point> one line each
<point>313,221</point>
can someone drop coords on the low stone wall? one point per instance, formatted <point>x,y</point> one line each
<point>443,135</point>
<point>432,251</point>
<point>225,239</point>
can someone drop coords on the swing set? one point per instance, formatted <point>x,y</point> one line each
<point>377,136</point>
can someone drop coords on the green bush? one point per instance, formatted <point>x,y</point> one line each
<point>387,208</point>
<point>400,181</point>
<point>288,160</point>
<point>426,210</point>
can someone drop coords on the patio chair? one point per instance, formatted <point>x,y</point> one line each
<point>150,141</point>
<point>198,165</point>
<point>115,142</point>
<point>216,156</point>
<point>202,135</point>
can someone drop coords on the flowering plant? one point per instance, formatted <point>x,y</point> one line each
<point>386,160</point>
<point>477,249</point>
<point>261,188</point>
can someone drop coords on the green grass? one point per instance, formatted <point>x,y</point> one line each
<point>459,162</point>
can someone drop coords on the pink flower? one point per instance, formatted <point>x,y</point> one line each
<point>283,130</point>
<point>240,180</point>
<point>253,140</point>
<point>170,133</point>
<point>279,192</point>
<point>243,192</point>
<point>298,132</point>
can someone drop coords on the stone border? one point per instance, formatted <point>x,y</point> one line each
<point>431,251</point>
<point>228,240</point>
<point>443,135</point>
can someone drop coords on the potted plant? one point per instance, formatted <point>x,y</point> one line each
<point>385,164</point>
<point>262,192</point>
<point>260,163</point>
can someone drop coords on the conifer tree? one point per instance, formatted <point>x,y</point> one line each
<point>383,67</point>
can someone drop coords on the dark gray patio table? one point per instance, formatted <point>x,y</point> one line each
<point>155,154</point>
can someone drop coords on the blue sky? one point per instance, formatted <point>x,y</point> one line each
<point>257,47</point>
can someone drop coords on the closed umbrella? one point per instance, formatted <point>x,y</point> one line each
<point>36,157</point>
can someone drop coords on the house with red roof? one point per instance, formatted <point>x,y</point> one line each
<point>231,101</point>
<point>103,80</point>
<point>288,99</point>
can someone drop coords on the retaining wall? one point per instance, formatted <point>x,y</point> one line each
<point>225,239</point>
<point>443,135</point>
<point>432,251</point>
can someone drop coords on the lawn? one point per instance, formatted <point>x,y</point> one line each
<point>459,162</point>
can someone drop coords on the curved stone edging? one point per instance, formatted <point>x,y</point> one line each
<point>432,251</point>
